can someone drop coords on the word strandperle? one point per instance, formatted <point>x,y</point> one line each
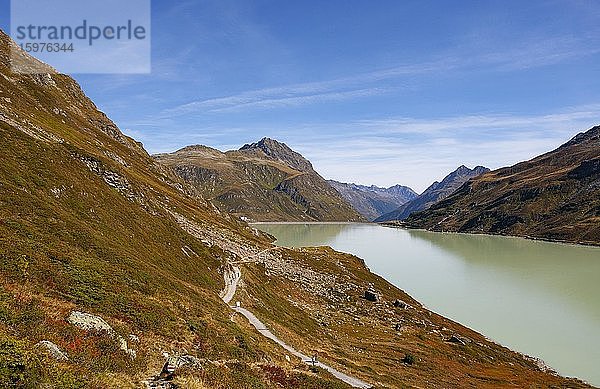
<point>85,31</point>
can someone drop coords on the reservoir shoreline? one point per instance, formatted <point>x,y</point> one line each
<point>527,237</point>
<point>401,225</point>
<point>480,287</point>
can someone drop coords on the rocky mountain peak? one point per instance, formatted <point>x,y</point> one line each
<point>279,151</point>
<point>462,172</point>
<point>197,149</point>
<point>28,85</point>
<point>435,192</point>
<point>373,201</point>
<point>11,55</point>
<point>591,135</point>
<point>401,189</point>
<point>462,169</point>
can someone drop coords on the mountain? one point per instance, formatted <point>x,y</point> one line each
<point>109,261</point>
<point>436,192</point>
<point>280,152</point>
<point>555,196</point>
<point>263,181</point>
<point>90,224</point>
<point>372,201</point>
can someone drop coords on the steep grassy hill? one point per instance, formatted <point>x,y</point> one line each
<point>263,181</point>
<point>90,223</point>
<point>436,192</point>
<point>555,196</point>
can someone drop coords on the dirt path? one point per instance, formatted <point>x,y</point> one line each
<point>232,278</point>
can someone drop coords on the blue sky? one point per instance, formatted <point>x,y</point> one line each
<point>374,92</point>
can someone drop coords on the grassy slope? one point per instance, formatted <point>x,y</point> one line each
<point>69,241</point>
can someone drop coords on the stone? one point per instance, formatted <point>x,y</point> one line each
<point>175,362</point>
<point>409,359</point>
<point>189,360</point>
<point>457,340</point>
<point>371,295</point>
<point>400,304</point>
<point>89,322</point>
<point>53,350</point>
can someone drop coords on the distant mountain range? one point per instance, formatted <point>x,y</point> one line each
<point>262,181</point>
<point>373,201</point>
<point>555,196</point>
<point>436,192</point>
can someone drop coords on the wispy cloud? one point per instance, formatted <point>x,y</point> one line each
<point>525,55</point>
<point>416,152</point>
<point>271,98</point>
<point>541,52</point>
<point>360,85</point>
<point>409,151</point>
<point>478,124</point>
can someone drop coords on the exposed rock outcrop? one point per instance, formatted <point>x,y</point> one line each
<point>400,304</point>
<point>371,295</point>
<point>89,322</point>
<point>53,350</point>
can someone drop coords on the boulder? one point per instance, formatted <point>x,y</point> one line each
<point>89,322</point>
<point>400,304</point>
<point>457,339</point>
<point>53,350</point>
<point>371,295</point>
<point>175,362</point>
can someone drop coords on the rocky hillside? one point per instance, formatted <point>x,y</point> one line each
<point>373,201</point>
<point>111,269</point>
<point>555,196</point>
<point>97,275</point>
<point>436,192</point>
<point>263,181</point>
